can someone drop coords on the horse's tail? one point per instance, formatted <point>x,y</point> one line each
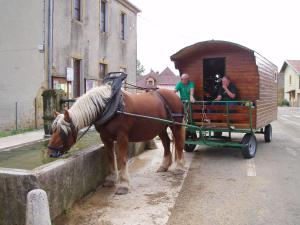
<point>182,140</point>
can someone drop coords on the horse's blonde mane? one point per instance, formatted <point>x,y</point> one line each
<point>60,124</point>
<point>89,106</point>
<point>86,109</point>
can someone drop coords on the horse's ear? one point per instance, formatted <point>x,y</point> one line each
<point>67,116</point>
<point>55,113</point>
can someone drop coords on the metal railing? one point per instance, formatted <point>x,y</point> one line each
<point>17,115</point>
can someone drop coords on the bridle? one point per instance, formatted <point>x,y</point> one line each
<point>59,151</point>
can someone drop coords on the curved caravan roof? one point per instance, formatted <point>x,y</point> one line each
<point>212,45</point>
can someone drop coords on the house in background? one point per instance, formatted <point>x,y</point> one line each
<point>148,81</point>
<point>291,72</point>
<point>65,44</point>
<point>166,79</point>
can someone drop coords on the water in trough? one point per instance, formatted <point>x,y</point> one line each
<point>33,155</point>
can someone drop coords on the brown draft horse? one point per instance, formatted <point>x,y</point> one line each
<point>121,128</point>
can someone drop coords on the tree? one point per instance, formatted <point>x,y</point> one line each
<point>140,69</point>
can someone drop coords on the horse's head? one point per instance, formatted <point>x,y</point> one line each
<point>64,135</point>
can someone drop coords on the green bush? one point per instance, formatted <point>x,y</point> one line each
<point>14,132</point>
<point>285,103</point>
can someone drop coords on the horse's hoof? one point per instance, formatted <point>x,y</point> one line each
<point>162,169</point>
<point>122,190</point>
<point>109,183</point>
<point>179,171</point>
<point>110,180</point>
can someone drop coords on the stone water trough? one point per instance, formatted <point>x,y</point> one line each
<point>65,180</point>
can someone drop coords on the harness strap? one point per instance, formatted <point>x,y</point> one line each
<point>78,138</point>
<point>170,114</point>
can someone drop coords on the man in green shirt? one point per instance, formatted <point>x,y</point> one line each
<point>186,88</point>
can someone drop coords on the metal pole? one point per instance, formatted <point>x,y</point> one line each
<point>16,115</point>
<point>35,114</point>
<point>50,42</point>
<point>250,114</point>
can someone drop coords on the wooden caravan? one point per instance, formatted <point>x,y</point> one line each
<point>254,76</point>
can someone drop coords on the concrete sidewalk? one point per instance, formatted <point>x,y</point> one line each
<point>20,139</point>
<point>150,200</point>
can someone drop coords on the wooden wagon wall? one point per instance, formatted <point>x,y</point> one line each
<point>267,103</point>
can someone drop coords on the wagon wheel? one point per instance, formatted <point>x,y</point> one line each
<point>190,147</point>
<point>250,142</point>
<point>268,133</point>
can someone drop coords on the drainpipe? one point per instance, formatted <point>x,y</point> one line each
<point>50,42</point>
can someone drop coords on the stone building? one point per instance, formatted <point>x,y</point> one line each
<point>291,72</point>
<point>60,44</point>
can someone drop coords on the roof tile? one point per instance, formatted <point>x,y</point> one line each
<point>295,64</point>
<point>166,77</point>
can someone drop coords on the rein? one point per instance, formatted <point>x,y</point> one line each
<point>132,86</point>
<point>78,138</point>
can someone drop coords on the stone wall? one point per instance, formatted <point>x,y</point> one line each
<point>64,180</point>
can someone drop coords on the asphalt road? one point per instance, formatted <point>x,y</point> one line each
<point>219,187</point>
<point>223,188</point>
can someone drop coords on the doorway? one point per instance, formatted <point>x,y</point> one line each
<point>213,71</point>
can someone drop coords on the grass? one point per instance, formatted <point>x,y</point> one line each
<point>14,132</point>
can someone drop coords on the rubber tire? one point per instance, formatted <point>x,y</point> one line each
<point>268,133</point>
<point>190,147</point>
<point>217,134</point>
<point>249,150</point>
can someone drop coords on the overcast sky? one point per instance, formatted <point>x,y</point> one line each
<point>271,28</point>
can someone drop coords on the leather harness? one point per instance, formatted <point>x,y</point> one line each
<point>170,113</point>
